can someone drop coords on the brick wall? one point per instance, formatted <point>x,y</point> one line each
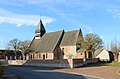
<point>69,52</point>
<point>68,63</point>
<point>77,62</point>
<point>63,63</point>
<point>4,62</point>
<point>48,63</point>
<point>80,55</point>
<point>16,62</point>
<point>91,60</point>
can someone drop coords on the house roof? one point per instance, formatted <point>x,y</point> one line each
<point>34,44</point>
<point>97,52</point>
<point>70,38</point>
<point>49,41</point>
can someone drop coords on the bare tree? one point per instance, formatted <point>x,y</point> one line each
<point>23,47</point>
<point>18,45</point>
<point>92,42</point>
<point>114,46</point>
<point>14,44</point>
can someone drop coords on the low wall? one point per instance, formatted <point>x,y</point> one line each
<point>77,62</point>
<point>91,60</point>
<point>16,62</point>
<point>65,63</point>
<point>48,63</point>
<point>4,62</point>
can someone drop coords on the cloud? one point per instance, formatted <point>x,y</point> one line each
<point>82,4</point>
<point>29,2</point>
<point>114,10</point>
<point>20,19</point>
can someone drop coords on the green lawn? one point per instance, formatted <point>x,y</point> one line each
<point>105,64</point>
<point>115,64</point>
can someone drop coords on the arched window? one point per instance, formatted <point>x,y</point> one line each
<point>63,51</point>
<point>46,55</point>
<point>43,57</point>
<point>39,55</point>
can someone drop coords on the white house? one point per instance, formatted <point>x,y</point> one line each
<point>104,55</point>
<point>119,57</point>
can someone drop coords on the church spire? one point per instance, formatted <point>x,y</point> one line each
<point>40,30</point>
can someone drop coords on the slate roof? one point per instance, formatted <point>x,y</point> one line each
<point>49,41</point>
<point>34,44</point>
<point>40,29</point>
<point>70,38</point>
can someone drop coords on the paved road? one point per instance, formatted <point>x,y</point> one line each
<point>42,73</point>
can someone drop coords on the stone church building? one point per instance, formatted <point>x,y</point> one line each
<point>56,45</point>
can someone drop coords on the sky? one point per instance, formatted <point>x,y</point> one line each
<point>19,18</point>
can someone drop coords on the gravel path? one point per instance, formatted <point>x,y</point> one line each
<point>104,72</point>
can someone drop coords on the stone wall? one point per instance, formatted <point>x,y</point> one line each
<point>16,62</point>
<point>64,63</point>
<point>4,62</point>
<point>69,52</point>
<point>91,60</point>
<point>78,62</point>
<point>80,55</point>
<point>48,63</point>
<point>38,56</point>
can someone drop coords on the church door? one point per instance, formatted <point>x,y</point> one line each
<point>43,57</point>
<point>89,54</point>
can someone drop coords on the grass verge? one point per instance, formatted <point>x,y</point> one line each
<point>105,64</point>
<point>115,64</point>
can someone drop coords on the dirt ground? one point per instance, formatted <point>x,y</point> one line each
<point>103,72</point>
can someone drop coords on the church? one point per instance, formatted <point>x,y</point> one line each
<point>56,45</point>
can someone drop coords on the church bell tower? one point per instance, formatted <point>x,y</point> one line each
<point>40,30</point>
